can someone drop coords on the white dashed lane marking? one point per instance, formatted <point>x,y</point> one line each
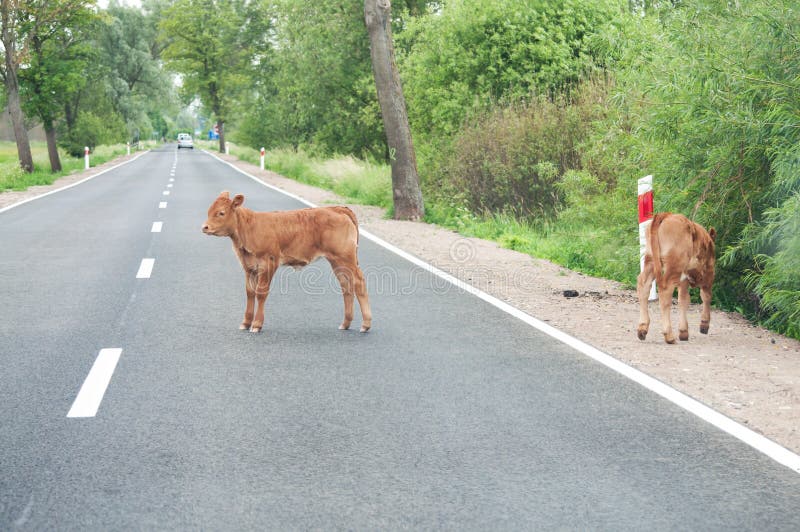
<point>145,269</point>
<point>94,387</point>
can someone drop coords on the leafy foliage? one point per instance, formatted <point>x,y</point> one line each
<point>723,112</point>
<point>214,45</point>
<point>512,158</point>
<point>56,33</point>
<point>478,52</point>
<point>140,90</point>
<point>317,86</point>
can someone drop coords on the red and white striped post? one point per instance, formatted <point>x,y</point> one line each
<point>262,157</point>
<point>645,219</point>
<point>86,157</point>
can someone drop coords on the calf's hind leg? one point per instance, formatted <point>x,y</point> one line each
<point>345,276</point>
<point>643,284</point>
<point>683,308</point>
<point>665,302</point>
<point>351,279</point>
<point>705,315</point>
<point>363,300</point>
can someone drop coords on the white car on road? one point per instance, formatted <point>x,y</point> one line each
<point>185,141</point>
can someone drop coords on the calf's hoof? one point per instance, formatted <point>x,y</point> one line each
<point>244,326</point>
<point>704,327</point>
<point>344,326</point>
<point>255,329</point>
<point>683,335</point>
<point>365,328</point>
<point>669,338</point>
<point>641,333</point>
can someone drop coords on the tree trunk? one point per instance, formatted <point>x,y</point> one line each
<point>406,191</point>
<point>52,147</point>
<point>12,88</point>
<point>18,122</point>
<point>221,128</point>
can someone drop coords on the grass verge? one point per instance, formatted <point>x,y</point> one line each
<point>13,178</point>
<point>357,181</point>
<point>574,241</point>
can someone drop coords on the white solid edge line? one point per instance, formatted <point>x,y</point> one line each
<point>94,387</point>
<point>145,269</point>
<point>162,204</point>
<point>156,227</point>
<point>761,443</point>
<point>72,184</point>
<point>166,193</point>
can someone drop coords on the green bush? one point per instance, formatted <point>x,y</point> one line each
<point>513,158</point>
<point>721,112</point>
<point>472,53</point>
<point>91,130</point>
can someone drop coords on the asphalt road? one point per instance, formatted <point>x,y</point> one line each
<point>449,414</point>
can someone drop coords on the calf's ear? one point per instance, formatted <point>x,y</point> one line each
<point>238,199</point>
<point>712,233</point>
<point>225,194</point>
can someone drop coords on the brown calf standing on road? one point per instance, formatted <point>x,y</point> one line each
<point>265,240</point>
<point>678,253</point>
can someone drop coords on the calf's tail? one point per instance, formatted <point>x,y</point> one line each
<point>350,214</point>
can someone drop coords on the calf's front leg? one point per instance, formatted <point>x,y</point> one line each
<point>264,279</point>
<point>250,281</point>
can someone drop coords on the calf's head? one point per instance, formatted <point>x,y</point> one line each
<point>221,215</point>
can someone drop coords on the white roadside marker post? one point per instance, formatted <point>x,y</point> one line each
<point>645,219</point>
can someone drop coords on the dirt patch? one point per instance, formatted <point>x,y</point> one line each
<point>748,373</point>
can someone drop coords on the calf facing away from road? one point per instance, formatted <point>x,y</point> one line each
<point>265,240</point>
<point>678,253</point>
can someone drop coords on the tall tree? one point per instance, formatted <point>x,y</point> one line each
<point>130,52</point>
<point>406,192</point>
<point>213,44</point>
<point>11,39</point>
<point>317,85</point>
<point>58,48</point>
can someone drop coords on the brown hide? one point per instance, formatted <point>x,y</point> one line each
<point>679,253</point>
<point>263,241</point>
